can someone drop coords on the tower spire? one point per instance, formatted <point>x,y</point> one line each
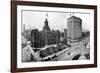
<point>46,26</point>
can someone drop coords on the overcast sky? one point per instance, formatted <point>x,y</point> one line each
<point>57,20</point>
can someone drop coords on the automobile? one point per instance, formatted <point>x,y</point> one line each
<point>76,57</point>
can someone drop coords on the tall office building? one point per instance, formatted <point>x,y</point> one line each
<point>35,38</point>
<point>74,28</point>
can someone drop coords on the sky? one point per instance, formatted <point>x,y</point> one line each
<point>57,20</point>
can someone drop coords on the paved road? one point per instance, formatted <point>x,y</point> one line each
<point>75,49</point>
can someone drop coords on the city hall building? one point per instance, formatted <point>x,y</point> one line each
<point>44,37</point>
<point>74,29</point>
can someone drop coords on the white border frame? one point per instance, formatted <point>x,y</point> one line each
<point>53,63</point>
